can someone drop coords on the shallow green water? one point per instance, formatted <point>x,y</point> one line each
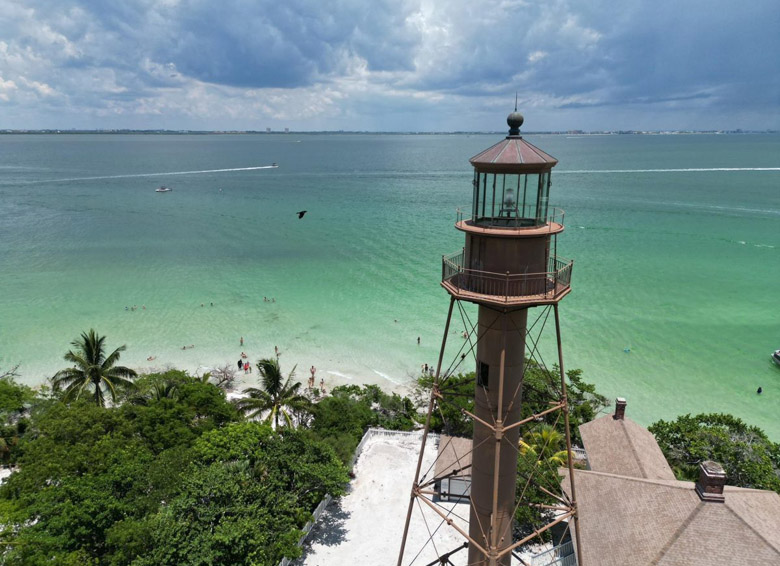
<point>680,267</point>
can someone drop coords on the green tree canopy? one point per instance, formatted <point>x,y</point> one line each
<point>540,386</point>
<point>92,370</point>
<point>174,480</point>
<point>245,499</point>
<point>15,401</point>
<point>747,455</point>
<point>278,396</point>
<point>341,419</point>
<point>545,446</point>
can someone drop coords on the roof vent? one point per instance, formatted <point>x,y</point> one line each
<point>620,409</point>
<point>712,478</point>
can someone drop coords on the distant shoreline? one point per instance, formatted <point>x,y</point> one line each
<point>54,131</point>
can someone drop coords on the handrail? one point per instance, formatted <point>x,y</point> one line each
<point>561,555</point>
<point>548,284</point>
<point>516,218</point>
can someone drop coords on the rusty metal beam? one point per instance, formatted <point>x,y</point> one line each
<point>536,534</point>
<point>452,524</point>
<point>425,437</point>
<point>534,417</point>
<point>568,437</point>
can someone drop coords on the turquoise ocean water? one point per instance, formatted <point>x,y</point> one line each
<point>676,242</point>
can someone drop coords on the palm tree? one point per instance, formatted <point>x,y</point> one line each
<point>92,370</point>
<point>544,447</point>
<point>277,396</point>
<point>158,390</point>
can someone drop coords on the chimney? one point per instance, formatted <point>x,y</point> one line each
<point>712,478</point>
<point>620,409</point>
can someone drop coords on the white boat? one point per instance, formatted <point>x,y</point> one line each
<point>163,189</point>
<point>776,357</point>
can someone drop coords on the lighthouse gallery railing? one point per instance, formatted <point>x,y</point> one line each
<point>507,285</point>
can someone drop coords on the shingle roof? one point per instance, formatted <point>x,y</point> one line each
<point>620,446</point>
<point>454,456</point>
<point>624,520</point>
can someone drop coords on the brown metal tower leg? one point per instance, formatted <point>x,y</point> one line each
<point>575,517</point>
<point>425,434</point>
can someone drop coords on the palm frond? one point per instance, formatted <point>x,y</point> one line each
<point>92,369</point>
<point>113,358</point>
<point>75,390</point>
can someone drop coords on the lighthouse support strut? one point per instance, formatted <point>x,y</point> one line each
<point>568,436</point>
<point>425,433</point>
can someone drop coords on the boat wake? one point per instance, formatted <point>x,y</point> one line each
<point>202,171</point>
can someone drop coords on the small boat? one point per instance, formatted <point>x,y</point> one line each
<point>274,164</point>
<point>776,357</point>
<point>163,189</point>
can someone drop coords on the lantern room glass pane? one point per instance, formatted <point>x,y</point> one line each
<point>510,200</point>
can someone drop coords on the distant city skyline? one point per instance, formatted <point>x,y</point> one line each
<point>389,65</point>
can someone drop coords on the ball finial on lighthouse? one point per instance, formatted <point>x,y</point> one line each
<point>514,120</point>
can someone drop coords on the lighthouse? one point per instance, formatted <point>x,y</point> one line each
<point>508,267</point>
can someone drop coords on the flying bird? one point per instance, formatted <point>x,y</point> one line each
<point>300,213</point>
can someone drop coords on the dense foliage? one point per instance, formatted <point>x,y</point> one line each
<point>14,401</point>
<point>542,453</point>
<point>92,370</point>
<point>542,449</point>
<point>277,396</point>
<point>747,455</point>
<point>172,476</point>
<point>341,418</point>
<point>539,387</point>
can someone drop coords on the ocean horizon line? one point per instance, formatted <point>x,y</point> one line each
<point>573,132</point>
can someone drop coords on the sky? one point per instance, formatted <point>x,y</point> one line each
<point>389,65</point>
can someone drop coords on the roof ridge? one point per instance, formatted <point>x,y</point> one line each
<point>675,484</point>
<point>678,533</point>
<point>633,449</point>
<point>752,528</point>
<point>537,151</point>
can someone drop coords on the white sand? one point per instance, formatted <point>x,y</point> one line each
<point>366,525</point>
<point>5,473</point>
<point>332,378</point>
<point>333,375</point>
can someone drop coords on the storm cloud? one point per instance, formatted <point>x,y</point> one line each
<point>389,64</point>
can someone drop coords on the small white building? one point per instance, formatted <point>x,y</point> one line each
<point>453,468</point>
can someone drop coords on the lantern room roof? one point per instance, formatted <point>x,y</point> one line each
<point>513,154</point>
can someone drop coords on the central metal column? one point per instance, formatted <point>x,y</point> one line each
<point>500,361</point>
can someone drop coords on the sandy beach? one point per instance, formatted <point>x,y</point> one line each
<point>366,525</point>
<point>331,377</point>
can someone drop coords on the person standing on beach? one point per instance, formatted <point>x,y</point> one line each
<point>322,385</point>
<point>313,370</point>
